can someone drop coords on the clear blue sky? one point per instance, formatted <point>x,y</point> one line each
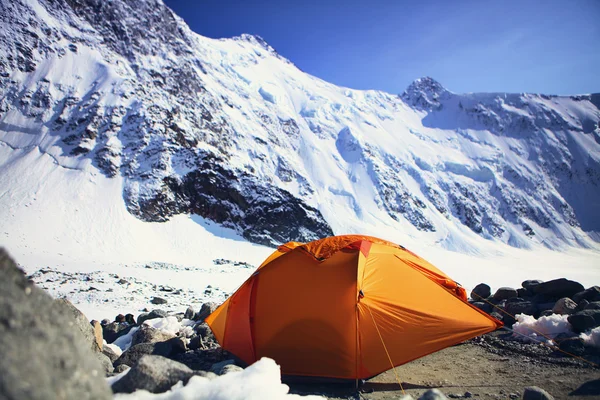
<point>547,46</point>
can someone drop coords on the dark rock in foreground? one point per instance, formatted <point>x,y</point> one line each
<point>41,357</point>
<point>155,374</point>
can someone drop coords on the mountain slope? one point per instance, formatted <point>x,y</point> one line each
<point>233,132</point>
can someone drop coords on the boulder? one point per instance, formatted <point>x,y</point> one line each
<point>205,311</point>
<point>592,306</point>
<point>134,353</point>
<point>196,343</point>
<point>158,300</point>
<point>481,291</point>
<point>564,306</point>
<point>485,307</point>
<point>121,368</point>
<point>590,294</point>
<point>573,346</point>
<point>581,321</point>
<point>582,305</point>
<point>114,330</point>
<point>155,374</point>
<point>189,313</point>
<point>520,306</point>
<point>130,319</point>
<point>44,353</point>
<point>505,293</point>
<point>530,284</point>
<point>108,352</point>
<point>98,337</point>
<point>536,393</point>
<point>559,288</point>
<point>80,322</point>
<point>105,361</point>
<point>151,315</point>
<point>148,334</point>
<point>120,318</point>
<point>433,394</point>
<point>522,293</point>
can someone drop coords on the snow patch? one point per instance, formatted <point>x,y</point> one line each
<point>543,328</point>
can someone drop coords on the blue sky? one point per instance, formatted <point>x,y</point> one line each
<point>548,46</point>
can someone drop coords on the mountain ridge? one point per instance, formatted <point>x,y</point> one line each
<point>230,130</point>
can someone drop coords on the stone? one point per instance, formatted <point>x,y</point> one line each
<point>230,368</point>
<point>520,306</point>
<point>581,321</point>
<point>582,304</point>
<point>564,306</point>
<point>546,313</point>
<point>433,394</point>
<point>106,363</point>
<point>481,291</point>
<point>590,294</point>
<point>148,334</point>
<point>80,322</point>
<point>536,393</point>
<point>112,331</point>
<point>120,318</point>
<point>522,293</point>
<point>108,352</point>
<point>505,293</point>
<point>497,315</point>
<point>121,368</point>
<point>485,307</point>
<point>155,374</point>
<point>151,315</point>
<point>544,306</point>
<point>206,309</point>
<point>573,346</point>
<point>559,288</point>
<point>217,367</point>
<point>130,319</point>
<point>40,354</point>
<point>97,329</point>
<point>189,313</point>
<point>530,284</point>
<point>158,300</point>
<point>134,353</point>
<point>196,343</point>
<point>592,306</point>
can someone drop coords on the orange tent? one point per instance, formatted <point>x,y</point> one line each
<point>345,307</point>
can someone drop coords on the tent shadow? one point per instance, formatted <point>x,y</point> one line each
<point>589,388</point>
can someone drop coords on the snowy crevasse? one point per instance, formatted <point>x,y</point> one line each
<point>230,130</point>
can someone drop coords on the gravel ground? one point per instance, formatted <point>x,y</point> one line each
<point>489,367</point>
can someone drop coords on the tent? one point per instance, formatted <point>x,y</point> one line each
<point>347,307</point>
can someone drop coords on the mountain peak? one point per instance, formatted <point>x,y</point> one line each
<point>424,93</point>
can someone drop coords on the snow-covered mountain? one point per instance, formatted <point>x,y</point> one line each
<point>231,131</point>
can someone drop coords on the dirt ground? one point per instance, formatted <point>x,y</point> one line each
<point>487,368</point>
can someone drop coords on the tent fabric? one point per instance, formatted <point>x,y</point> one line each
<point>316,309</point>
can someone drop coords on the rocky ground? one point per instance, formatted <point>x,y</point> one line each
<point>47,343</point>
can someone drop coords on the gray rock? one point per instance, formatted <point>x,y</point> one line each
<point>121,368</point>
<point>155,374</point>
<point>546,313</point>
<point>204,331</point>
<point>158,300</point>
<point>481,291</point>
<point>134,353</point>
<point>520,306</point>
<point>80,322</point>
<point>590,294</point>
<point>522,293</point>
<point>581,321</point>
<point>536,393</point>
<point>505,293</point>
<point>485,307</point>
<point>196,343</point>
<point>105,361</point>
<point>573,346</point>
<point>559,288</point>
<point>433,394</point>
<point>189,313</point>
<point>151,315</point>
<point>591,306</point>
<point>41,359</point>
<point>148,334</point>
<point>530,284</point>
<point>108,352</point>
<point>130,319</point>
<point>205,311</point>
<point>114,330</point>
<point>217,367</point>
<point>230,368</point>
<point>564,306</point>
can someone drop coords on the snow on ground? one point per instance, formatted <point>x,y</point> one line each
<point>261,380</point>
<point>70,229</point>
<point>545,329</point>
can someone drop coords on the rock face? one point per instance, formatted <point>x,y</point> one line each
<point>192,126</point>
<point>41,358</point>
<point>155,374</point>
